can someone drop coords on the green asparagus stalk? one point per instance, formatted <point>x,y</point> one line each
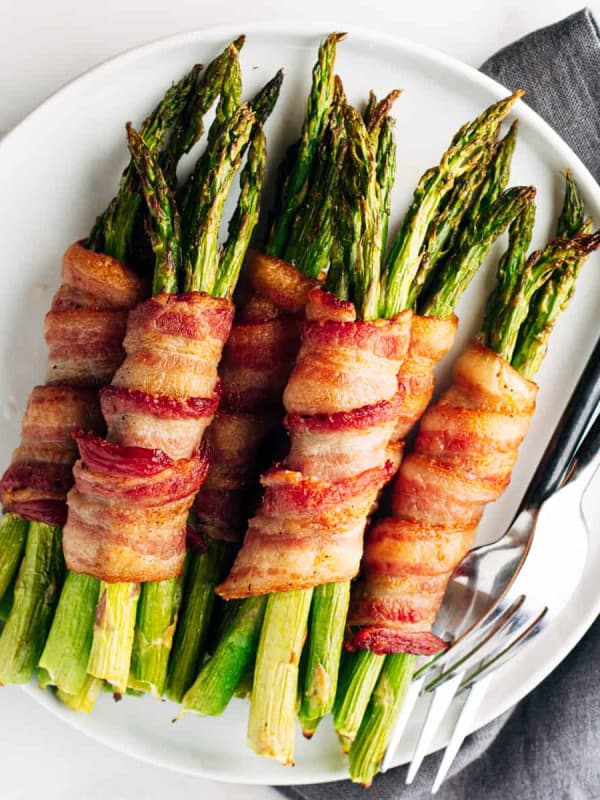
<point>207,200</point>
<point>564,254</point>
<point>474,193</point>
<point>311,232</point>
<point>66,653</point>
<point>368,749</point>
<point>157,613</point>
<point>552,298</point>
<point>205,570</point>
<point>245,216</point>
<point>164,231</point>
<point>467,149</point>
<point>221,675</point>
<point>189,126</point>
<point>13,535</point>
<point>324,649</point>
<point>451,282</point>
<point>264,101</point>
<point>114,627</point>
<point>359,675</point>
<point>296,184</point>
<point>85,699</point>
<point>272,709</point>
<point>114,230</point>
<point>35,595</point>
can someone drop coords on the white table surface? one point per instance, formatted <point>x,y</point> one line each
<point>43,45</point>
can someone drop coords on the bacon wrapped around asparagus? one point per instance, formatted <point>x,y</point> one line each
<point>84,331</point>
<point>462,459</point>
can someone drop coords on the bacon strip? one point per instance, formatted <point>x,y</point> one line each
<point>257,361</point>
<point>128,511</point>
<point>462,460</point>
<point>310,524</point>
<point>83,329</point>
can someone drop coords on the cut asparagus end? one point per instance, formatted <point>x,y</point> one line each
<point>85,699</point>
<point>35,596</point>
<point>114,626</point>
<point>204,572</point>
<point>271,723</point>
<point>13,534</point>
<point>65,656</point>
<point>233,658</point>
<point>324,649</point>
<point>368,749</point>
<point>153,638</point>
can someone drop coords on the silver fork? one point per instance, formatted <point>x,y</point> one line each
<point>503,594</point>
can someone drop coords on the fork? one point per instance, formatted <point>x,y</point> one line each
<point>503,594</point>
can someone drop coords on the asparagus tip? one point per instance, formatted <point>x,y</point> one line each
<point>239,42</point>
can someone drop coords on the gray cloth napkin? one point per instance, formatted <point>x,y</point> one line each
<point>548,746</point>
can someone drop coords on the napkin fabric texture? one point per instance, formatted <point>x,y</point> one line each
<point>548,746</point>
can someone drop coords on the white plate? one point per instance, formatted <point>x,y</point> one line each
<point>60,167</point>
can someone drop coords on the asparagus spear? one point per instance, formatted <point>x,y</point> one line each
<point>35,595</point>
<point>473,193</point>
<point>205,570</point>
<point>369,747</point>
<point>451,282</point>
<point>66,653</point>
<point>468,147</point>
<point>550,300</point>
<point>113,231</point>
<point>319,102</point>
<point>207,200</point>
<point>85,699</point>
<point>565,255</point>
<point>311,233</point>
<point>13,534</point>
<point>189,127</point>
<point>270,723</point>
<point>221,675</point>
<point>157,613</point>
<point>324,649</point>
<point>245,216</point>
<point>358,678</point>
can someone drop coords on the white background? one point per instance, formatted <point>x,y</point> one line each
<point>44,45</point>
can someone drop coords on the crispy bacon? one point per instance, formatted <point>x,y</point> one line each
<point>83,329</point>
<point>128,511</point>
<point>257,361</point>
<point>309,527</point>
<point>140,482</point>
<point>462,460</point>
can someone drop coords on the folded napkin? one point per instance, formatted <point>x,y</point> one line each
<point>548,746</point>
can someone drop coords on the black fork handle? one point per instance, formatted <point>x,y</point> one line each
<point>567,436</point>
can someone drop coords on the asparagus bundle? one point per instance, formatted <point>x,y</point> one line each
<point>84,330</point>
<point>256,364</point>
<point>462,459</point>
<point>284,627</point>
<point>67,651</point>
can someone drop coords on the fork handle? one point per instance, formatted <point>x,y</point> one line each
<point>567,435</point>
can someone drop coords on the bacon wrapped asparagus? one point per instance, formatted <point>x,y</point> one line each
<point>462,459</point>
<point>84,330</point>
<point>66,654</point>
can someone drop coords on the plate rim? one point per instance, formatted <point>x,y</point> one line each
<point>369,36</point>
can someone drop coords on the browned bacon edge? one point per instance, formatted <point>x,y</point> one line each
<point>84,330</point>
<point>462,460</point>
<point>257,361</point>
<point>309,527</point>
